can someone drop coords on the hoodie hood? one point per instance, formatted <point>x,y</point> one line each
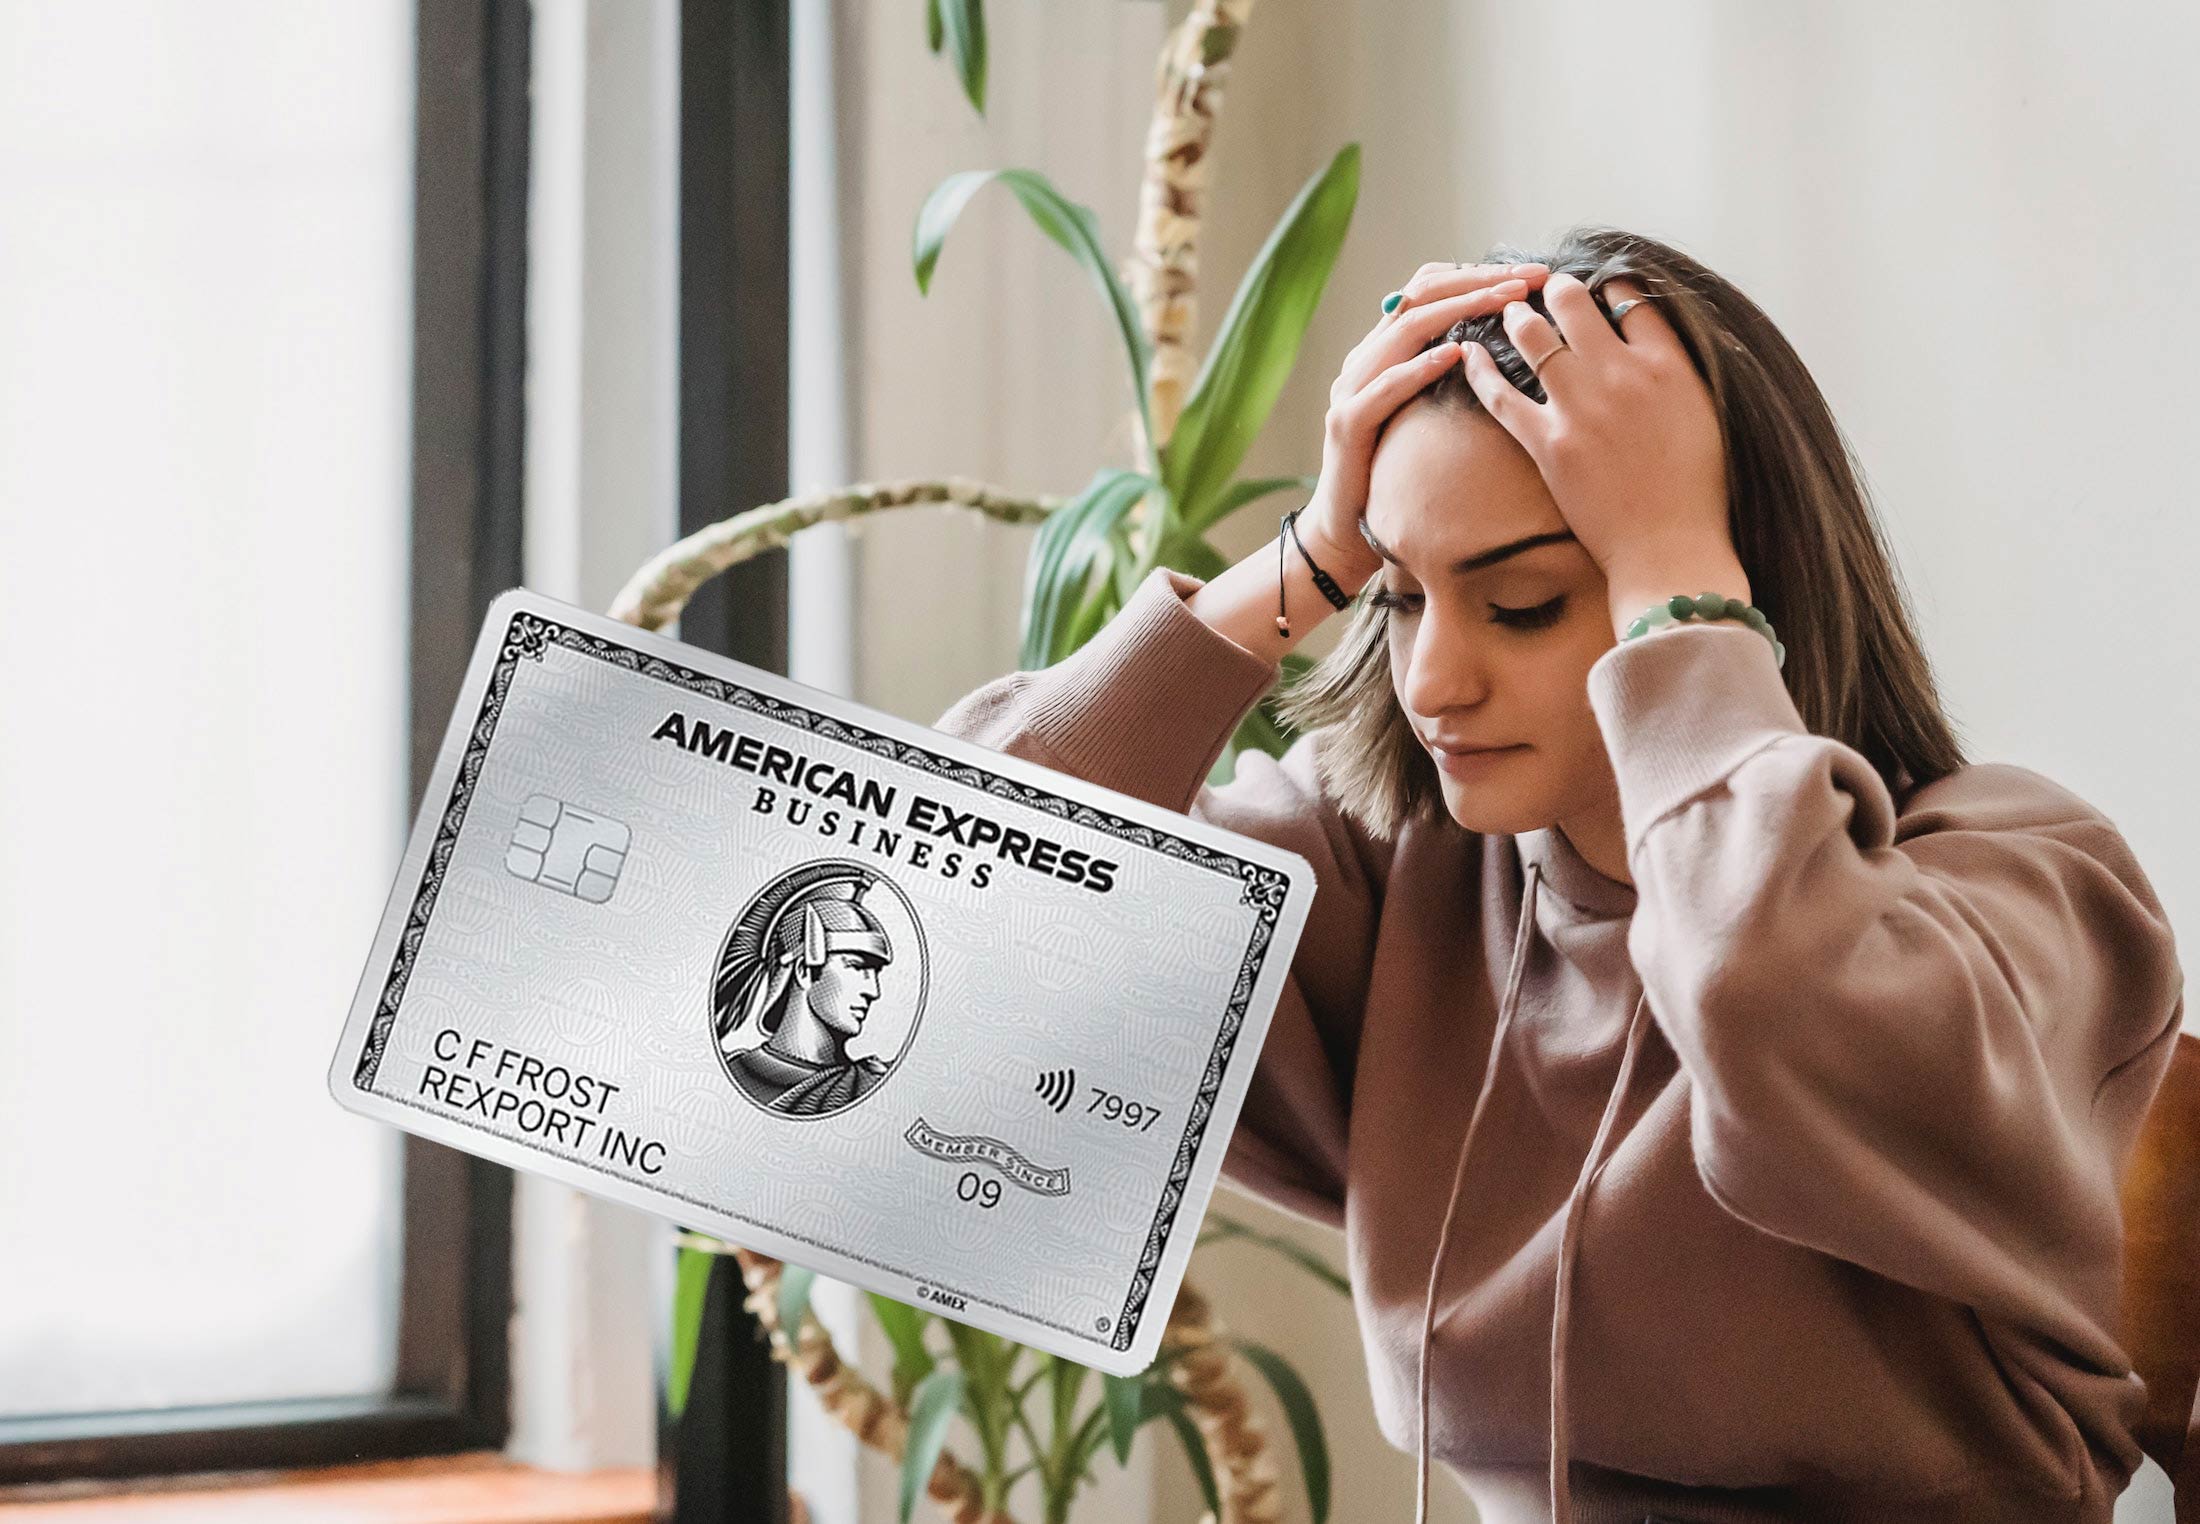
<point>1606,897</point>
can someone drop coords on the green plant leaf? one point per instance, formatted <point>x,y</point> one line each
<point>1256,732</point>
<point>1127,570</point>
<point>691,1280</point>
<point>1220,1227</point>
<point>1238,494</point>
<point>930,1410</point>
<point>1258,340</point>
<point>1155,1398</point>
<point>1074,542</point>
<point>1098,607</point>
<point>1166,1403</point>
<point>1304,1418</point>
<point>1066,222</point>
<point>1126,1406</point>
<point>1203,1469</point>
<point>1068,1380</point>
<point>1260,729</point>
<point>963,23</point>
<point>1264,726</point>
<point>1190,554</point>
<point>794,1298</point>
<point>932,33</point>
<point>1090,1431</point>
<point>904,1326</point>
<point>938,214</point>
<point>981,1354</point>
<point>1131,555</point>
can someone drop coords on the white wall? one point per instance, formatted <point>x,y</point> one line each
<point>1010,369</point>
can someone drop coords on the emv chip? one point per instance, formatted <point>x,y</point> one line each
<point>567,848</point>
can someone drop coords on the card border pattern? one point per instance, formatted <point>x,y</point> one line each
<point>529,635</point>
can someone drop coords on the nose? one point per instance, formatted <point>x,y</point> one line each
<point>1444,668</point>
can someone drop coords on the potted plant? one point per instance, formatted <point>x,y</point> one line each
<point>1196,419</point>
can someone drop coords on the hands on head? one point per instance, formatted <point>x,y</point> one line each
<point>1627,439</point>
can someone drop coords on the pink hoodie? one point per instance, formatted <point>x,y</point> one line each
<point>1789,1185</point>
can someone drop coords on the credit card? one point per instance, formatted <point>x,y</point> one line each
<point>871,999</point>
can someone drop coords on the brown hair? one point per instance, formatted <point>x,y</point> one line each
<point>1801,519</point>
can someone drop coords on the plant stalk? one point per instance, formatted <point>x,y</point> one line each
<point>661,587</point>
<point>1163,269</point>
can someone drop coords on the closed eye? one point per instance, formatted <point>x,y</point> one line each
<point>1539,617</point>
<point>1542,615</point>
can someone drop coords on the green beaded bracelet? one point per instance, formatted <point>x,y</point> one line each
<point>1707,606</point>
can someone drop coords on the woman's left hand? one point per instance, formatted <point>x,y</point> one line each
<point>1629,443</point>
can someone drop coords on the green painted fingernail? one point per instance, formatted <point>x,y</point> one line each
<point>1390,302</point>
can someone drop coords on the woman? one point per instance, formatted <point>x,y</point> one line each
<point>1722,1084</point>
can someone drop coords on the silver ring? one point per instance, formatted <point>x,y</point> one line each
<point>1623,308</point>
<point>1535,367</point>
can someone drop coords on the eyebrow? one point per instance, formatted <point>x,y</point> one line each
<point>1480,558</point>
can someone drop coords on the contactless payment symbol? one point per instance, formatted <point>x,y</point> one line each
<point>563,847</point>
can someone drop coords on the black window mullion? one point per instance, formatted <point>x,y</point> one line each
<point>724,1459</point>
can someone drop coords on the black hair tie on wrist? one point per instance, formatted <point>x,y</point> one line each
<point>1322,579</point>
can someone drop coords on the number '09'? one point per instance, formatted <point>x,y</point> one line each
<point>986,1193</point>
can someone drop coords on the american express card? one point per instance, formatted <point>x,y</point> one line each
<point>837,987</point>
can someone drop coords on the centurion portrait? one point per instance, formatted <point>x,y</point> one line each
<point>802,967</point>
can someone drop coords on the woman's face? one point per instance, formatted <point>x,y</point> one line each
<point>1495,655</point>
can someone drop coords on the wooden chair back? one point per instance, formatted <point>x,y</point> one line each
<point>2161,1285</point>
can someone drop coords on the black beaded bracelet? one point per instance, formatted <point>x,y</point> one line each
<point>1322,579</point>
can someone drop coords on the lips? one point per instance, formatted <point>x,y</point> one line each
<point>1465,749</point>
<point>1471,763</point>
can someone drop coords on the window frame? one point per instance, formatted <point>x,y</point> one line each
<point>452,1386</point>
<point>725,1457</point>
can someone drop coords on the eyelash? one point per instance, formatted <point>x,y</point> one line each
<point>1539,617</point>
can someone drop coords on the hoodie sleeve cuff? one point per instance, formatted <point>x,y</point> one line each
<point>1683,706</point>
<point>1147,704</point>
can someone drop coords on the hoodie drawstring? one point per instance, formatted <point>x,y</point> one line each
<point>1568,1239</point>
<point>1505,1008</point>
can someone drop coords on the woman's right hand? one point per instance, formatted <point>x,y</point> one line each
<point>1378,376</point>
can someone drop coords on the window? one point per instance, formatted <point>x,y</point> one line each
<point>259,463</point>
